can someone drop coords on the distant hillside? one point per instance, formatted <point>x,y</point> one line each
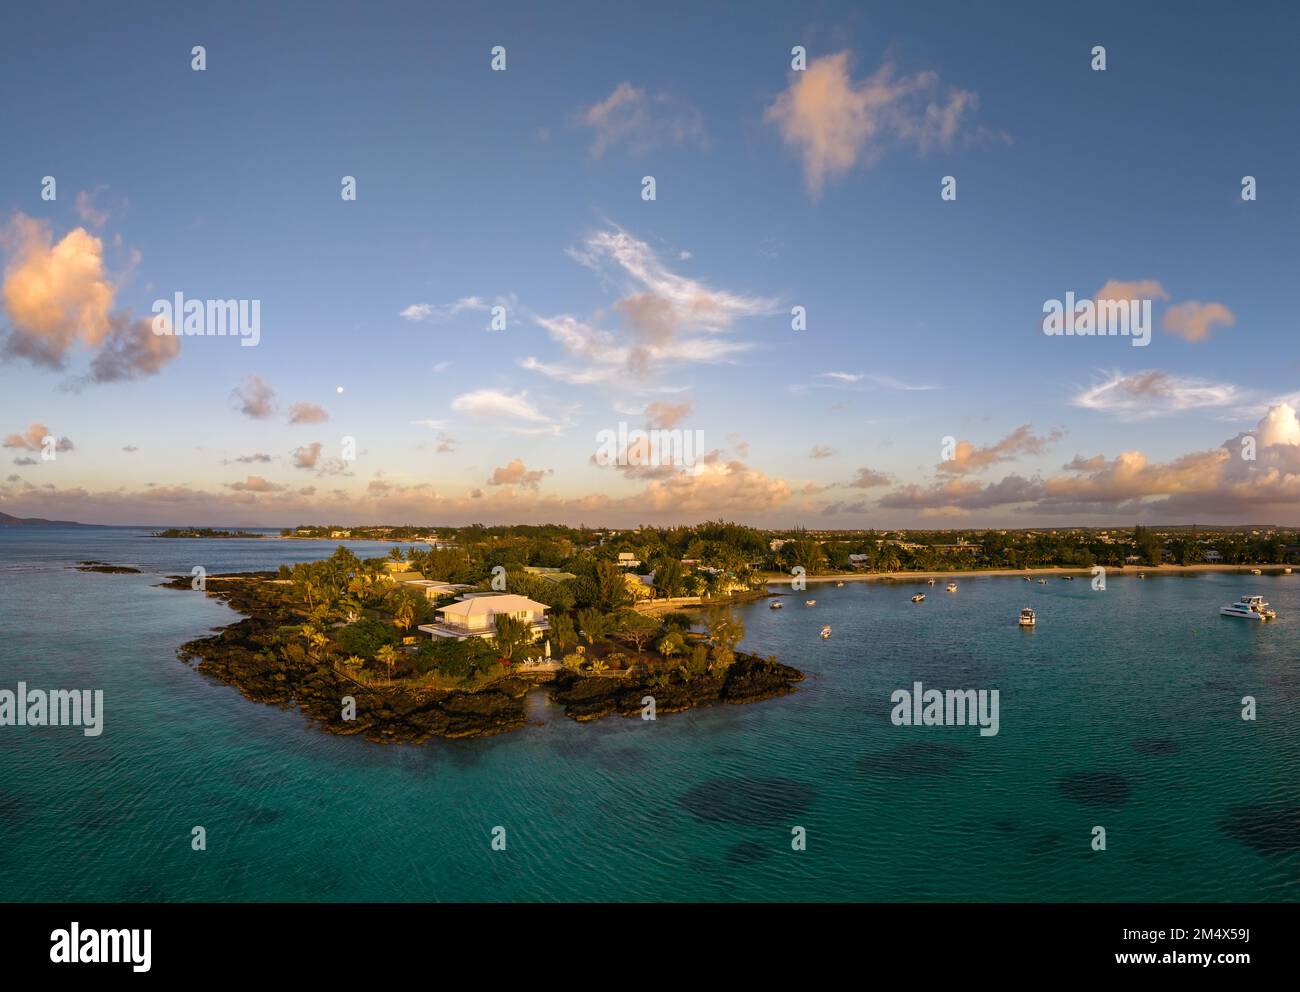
<point>10,521</point>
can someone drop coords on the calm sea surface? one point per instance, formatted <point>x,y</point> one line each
<point>1121,710</point>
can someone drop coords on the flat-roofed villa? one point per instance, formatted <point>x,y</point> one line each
<point>432,589</point>
<point>476,616</point>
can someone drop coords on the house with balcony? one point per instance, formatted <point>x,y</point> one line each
<point>476,616</point>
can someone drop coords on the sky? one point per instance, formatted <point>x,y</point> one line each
<point>845,345</point>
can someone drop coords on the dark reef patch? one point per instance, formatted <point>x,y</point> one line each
<point>919,758</point>
<point>1266,828</point>
<point>1095,788</point>
<point>747,800</point>
<point>749,852</point>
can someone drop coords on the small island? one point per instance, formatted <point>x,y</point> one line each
<point>203,532</point>
<point>424,657</point>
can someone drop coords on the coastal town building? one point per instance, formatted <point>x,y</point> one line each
<point>476,616</point>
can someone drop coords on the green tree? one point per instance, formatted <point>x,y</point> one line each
<point>387,655</point>
<point>512,636</point>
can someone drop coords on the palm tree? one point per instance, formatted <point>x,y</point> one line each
<point>595,625</point>
<point>671,643</point>
<point>405,615</point>
<point>511,635</point>
<point>387,655</point>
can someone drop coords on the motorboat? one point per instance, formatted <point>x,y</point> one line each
<point>776,605</point>
<point>1068,578</point>
<point>1256,571</point>
<point>1028,579</point>
<point>952,586</point>
<point>1027,618</point>
<point>810,602</point>
<point>1042,582</point>
<point>1249,608</point>
<point>839,585</point>
<point>826,632</point>
<point>930,583</point>
<point>919,598</point>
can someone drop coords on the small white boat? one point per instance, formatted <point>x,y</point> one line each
<point>1249,608</point>
<point>810,602</point>
<point>1142,575</point>
<point>1028,579</point>
<point>1042,582</point>
<point>826,632</point>
<point>776,605</point>
<point>1286,571</point>
<point>1256,571</point>
<point>919,598</point>
<point>930,583</point>
<point>952,586</point>
<point>1027,618</point>
<point>839,585</point>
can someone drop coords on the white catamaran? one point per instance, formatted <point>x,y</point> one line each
<point>1249,607</point>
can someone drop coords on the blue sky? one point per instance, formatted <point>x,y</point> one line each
<point>774,189</point>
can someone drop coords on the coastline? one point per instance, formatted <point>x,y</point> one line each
<point>245,654</point>
<point>1131,571</point>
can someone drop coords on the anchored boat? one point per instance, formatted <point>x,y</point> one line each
<point>826,632</point>
<point>776,605</point>
<point>952,586</point>
<point>919,598</point>
<point>1027,618</point>
<point>1249,608</point>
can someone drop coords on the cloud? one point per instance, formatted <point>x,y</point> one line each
<point>307,413</point>
<point>967,458</point>
<point>255,484</point>
<point>869,478</point>
<point>54,294</point>
<point>446,445</point>
<point>440,314</point>
<point>307,456</point>
<point>837,123</point>
<point>666,318</point>
<point>666,415</point>
<point>640,122</point>
<point>1153,393</point>
<point>1133,289</point>
<point>1193,320</point>
<point>256,398</point>
<point>59,294</point>
<point>34,437</point>
<point>516,474</point>
<point>130,351</point>
<point>821,451</point>
<point>86,209</point>
<point>130,448</point>
<point>25,460</point>
<point>512,411</point>
<point>845,377</point>
<point>253,458</point>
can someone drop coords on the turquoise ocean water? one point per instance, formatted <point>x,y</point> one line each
<point>1122,709</point>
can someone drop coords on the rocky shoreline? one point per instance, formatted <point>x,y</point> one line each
<point>244,655</point>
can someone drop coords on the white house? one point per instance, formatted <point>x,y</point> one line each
<point>1213,555</point>
<point>476,616</point>
<point>626,559</point>
<point>432,589</point>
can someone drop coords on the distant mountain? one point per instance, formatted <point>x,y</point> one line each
<point>10,521</point>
